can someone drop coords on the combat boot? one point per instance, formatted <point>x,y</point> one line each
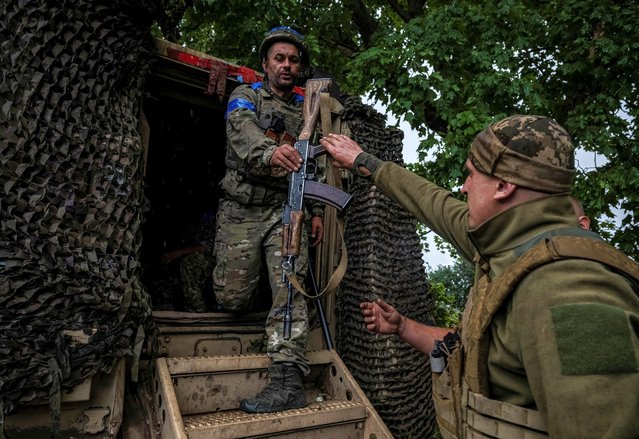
<point>284,391</point>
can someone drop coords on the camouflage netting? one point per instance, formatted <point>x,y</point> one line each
<point>385,261</point>
<point>71,191</point>
<point>70,213</point>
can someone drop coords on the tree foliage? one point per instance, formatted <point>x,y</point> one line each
<point>450,67</point>
<point>450,285</point>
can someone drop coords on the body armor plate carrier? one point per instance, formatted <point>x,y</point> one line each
<point>460,392</point>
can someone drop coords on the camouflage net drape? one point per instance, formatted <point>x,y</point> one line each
<point>385,261</point>
<point>70,191</point>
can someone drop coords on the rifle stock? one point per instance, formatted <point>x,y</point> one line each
<point>311,109</point>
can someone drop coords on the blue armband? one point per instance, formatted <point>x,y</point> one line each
<point>239,103</point>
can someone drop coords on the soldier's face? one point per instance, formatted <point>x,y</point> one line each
<point>480,189</point>
<point>282,66</point>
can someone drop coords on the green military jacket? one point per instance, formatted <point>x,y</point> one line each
<point>565,342</point>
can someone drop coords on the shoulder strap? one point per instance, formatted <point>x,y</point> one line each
<point>567,243</point>
<point>548,248</point>
<point>566,231</point>
<point>564,245</point>
<point>585,248</point>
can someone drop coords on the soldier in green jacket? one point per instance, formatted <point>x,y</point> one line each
<point>261,122</point>
<point>553,352</point>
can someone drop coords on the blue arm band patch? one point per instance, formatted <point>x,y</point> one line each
<point>239,103</point>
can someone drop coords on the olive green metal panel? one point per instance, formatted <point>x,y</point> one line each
<point>98,416</point>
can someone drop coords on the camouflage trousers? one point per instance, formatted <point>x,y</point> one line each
<point>195,271</point>
<point>247,239</point>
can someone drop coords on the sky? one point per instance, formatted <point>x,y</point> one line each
<point>433,257</point>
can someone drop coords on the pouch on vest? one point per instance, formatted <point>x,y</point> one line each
<point>479,415</point>
<point>248,191</point>
<point>447,393</point>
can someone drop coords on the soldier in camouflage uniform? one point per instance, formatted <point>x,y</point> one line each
<point>196,264</point>
<point>249,233</point>
<point>548,345</point>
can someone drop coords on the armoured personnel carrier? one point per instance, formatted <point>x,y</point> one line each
<point>195,367</point>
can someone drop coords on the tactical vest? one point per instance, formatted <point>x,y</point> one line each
<point>272,113</point>
<point>460,393</point>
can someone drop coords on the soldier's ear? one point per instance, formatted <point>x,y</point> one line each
<point>504,190</point>
<point>584,222</point>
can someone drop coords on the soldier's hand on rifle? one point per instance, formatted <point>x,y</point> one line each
<point>317,231</point>
<point>343,150</point>
<point>286,157</point>
<point>382,318</point>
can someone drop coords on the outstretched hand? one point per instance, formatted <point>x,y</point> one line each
<point>342,149</point>
<point>382,318</point>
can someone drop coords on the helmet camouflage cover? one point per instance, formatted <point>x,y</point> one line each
<point>288,35</point>
<point>531,151</point>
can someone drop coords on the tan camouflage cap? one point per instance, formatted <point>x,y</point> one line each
<point>531,151</point>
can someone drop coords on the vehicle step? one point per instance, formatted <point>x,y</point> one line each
<point>199,397</point>
<point>328,416</point>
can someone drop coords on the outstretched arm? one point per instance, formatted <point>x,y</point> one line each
<point>382,318</point>
<point>343,151</point>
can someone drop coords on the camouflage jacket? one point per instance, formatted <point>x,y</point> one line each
<point>565,341</point>
<point>250,179</point>
<point>205,231</point>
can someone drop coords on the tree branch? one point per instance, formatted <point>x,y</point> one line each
<point>416,7</point>
<point>347,49</point>
<point>403,13</point>
<point>363,20</point>
<point>433,120</point>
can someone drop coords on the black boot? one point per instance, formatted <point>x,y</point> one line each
<point>284,391</point>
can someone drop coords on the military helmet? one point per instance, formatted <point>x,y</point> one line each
<point>288,35</point>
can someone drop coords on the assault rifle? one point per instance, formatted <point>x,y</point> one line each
<point>301,186</point>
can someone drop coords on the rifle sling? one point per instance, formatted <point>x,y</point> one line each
<point>325,113</point>
<point>328,126</point>
<point>328,106</point>
<point>337,275</point>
